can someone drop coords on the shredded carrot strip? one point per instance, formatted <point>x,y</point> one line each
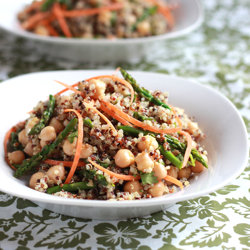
<point>188,149</point>
<point>50,29</point>
<point>116,78</point>
<point>34,20</point>
<point>34,6</point>
<point>93,11</point>
<point>114,115</point>
<point>164,10</point>
<point>68,87</point>
<point>112,174</point>
<point>88,105</point>
<point>78,146</point>
<point>58,12</point>
<point>176,116</point>
<point>173,180</point>
<point>116,71</point>
<point>6,139</point>
<point>138,123</point>
<point>65,163</point>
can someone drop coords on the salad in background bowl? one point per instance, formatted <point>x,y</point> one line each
<point>187,17</point>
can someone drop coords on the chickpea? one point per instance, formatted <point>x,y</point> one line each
<point>143,28</point>
<point>41,30</point>
<point>48,134</point>
<point>69,148</point>
<point>42,143</point>
<point>194,144</point>
<point>173,172</point>
<point>192,127</point>
<point>30,124</point>
<point>184,173</point>
<point>144,161</point>
<point>56,173</point>
<point>57,125</point>
<point>34,178</point>
<point>28,149</point>
<point>16,157</point>
<point>99,86</point>
<point>105,17</point>
<point>198,168</point>
<point>124,158</point>
<point>157,190</point>
<point>87,151</point>
<point>147,142</point>
<point>160,171</point>
<point>133,186</point>
<point>23,138</point>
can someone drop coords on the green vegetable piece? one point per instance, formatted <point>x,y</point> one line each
<point>72,136</point>
<point>142,91</point>
<point>147,12</point>
<point>14,142</point>
<point>140,117</point>
<point>168,155</point>
<point>87,122</point>
<point>28,164</point>
<point>148,178</point>
<point>48,4</point>
<point>73,187</point>
<point>45,118</point>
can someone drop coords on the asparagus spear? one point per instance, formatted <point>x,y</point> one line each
<point>148,12</point>
<point>46,150</point>
<point>142,91</point>
<point>173,142</point>
<point>45,118</point>
<point>168,155</point>
<point>140,117</point>
<point>70,187</point>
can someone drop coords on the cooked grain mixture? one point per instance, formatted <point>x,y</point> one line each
<point>110,139</point>
<point>97,19</point>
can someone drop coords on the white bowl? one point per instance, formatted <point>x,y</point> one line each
<point>189,16</point>
<point>226,140</point>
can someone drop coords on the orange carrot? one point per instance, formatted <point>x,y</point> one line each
<point>112,174</point>
<point>174,181</point>
<point>50,29</point>
<point>65,163</point>
<point>68,87</point>
<point>116,78</point>
<point>58,12</point>
<point>188,149</point>
<point>114,115</point>
<point>93,11</point>
<point>176,116</point>
<point>138,123</point>
<point>88,105</point>
<point>78,146</point>
<point>34,6</point>
<point>164,10</point>
<point>116,71</point>
<point>34,20</point>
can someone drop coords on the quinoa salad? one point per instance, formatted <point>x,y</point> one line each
<point>108,139</point>
<point>89,19</point>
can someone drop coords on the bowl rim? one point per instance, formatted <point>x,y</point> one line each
<point>173,198</point>
<point>117,41</point>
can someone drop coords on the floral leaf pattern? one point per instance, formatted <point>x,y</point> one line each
<point>66,237</point>
<point>216,55</point>
<point>207,236</point>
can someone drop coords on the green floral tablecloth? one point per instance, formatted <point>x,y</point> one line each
<point>217,54</point>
